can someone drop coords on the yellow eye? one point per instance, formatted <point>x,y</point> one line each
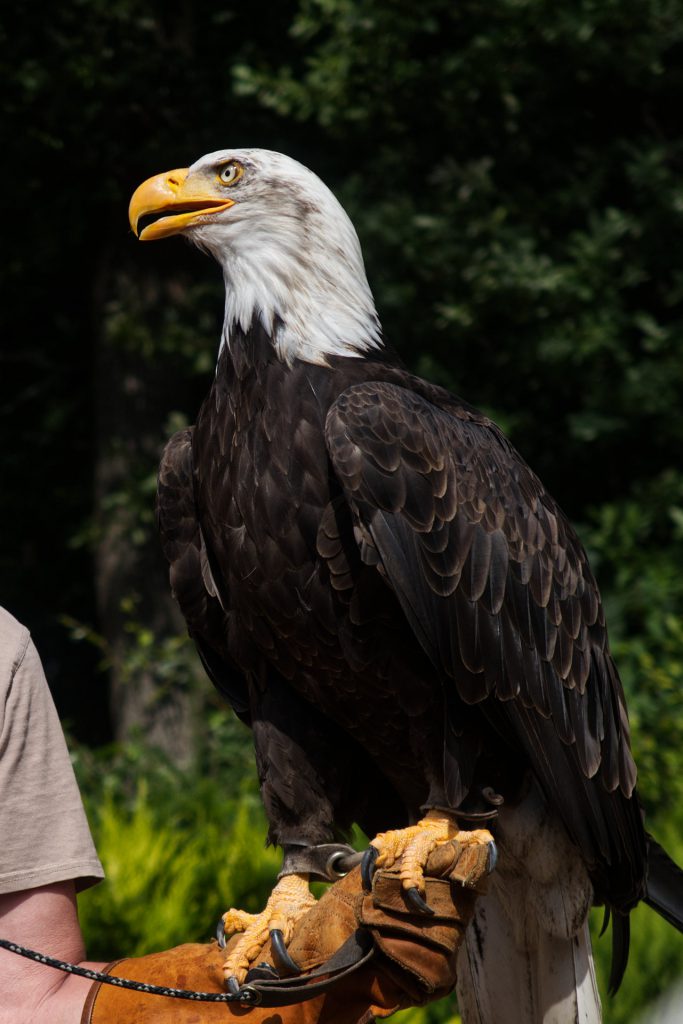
<point>230,173</point>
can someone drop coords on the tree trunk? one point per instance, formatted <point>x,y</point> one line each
<point>150,696</point>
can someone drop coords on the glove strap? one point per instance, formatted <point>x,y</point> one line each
<point>273,992</point>
<point>86,1016</point>
<point>358,949</point>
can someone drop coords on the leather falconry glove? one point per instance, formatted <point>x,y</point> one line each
<point>369,954</point>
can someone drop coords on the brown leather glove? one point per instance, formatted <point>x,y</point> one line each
<point>412,960</point>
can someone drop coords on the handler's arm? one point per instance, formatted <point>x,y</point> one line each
<point>413,962</point>
<point>46,851</point>
<point>44,919</point>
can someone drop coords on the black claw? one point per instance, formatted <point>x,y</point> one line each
<point>417,903</point>
<point>281,956</point>
<point>367,867</point>
<point>233,986</point>
<point>493,856</point>
<point>220,933</point>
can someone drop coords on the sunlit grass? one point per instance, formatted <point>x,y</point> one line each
<point>169,879</point>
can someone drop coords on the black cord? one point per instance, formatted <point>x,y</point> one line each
<point>246,995</point>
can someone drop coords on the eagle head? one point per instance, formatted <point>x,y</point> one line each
<point>290,255</point>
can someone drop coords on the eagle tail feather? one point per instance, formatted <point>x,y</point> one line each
<point>664,884</point>
<point>621,939</point>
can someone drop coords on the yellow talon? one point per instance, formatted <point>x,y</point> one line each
<point>414,844</point>
<point>289,900</point>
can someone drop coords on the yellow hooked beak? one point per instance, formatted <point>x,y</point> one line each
<point>178,203</point>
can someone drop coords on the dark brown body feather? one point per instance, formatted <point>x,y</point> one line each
<point>386,594</point>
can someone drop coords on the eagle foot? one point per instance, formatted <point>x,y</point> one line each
<point>289,900</point>
<point>410,849</point>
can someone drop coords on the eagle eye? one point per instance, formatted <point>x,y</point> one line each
<point>230,173</point>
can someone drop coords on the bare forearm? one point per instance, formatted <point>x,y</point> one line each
<point>45,919</point>
<point>64,1004</point>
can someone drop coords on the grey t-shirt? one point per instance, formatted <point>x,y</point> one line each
<point>44,833</point>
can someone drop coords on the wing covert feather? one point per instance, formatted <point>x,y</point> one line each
<point>490,575</point>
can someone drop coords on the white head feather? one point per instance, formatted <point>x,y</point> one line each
<point>290,257</point>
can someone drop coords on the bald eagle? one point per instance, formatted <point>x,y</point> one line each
<point>389,597</point>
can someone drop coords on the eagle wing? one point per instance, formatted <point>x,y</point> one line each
<point>497,589</point>
<point>190,573</point>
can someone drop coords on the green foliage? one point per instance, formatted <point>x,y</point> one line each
<point>174,320</point>
<point>436,1013</point>
<point>184,870</point>
<point>637,549</point>
<point>185,845</point>
<point>221,771</point>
